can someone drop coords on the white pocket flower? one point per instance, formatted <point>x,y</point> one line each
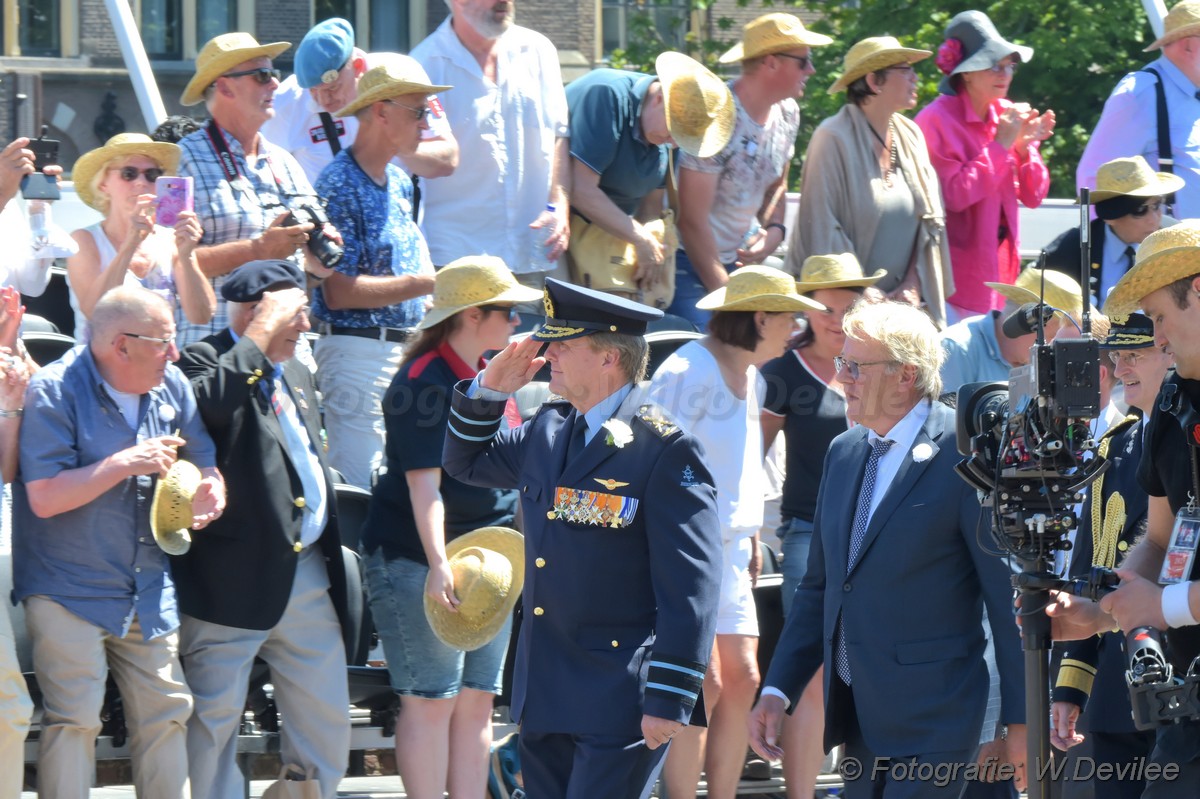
<point>166,413</point>
<point>922,452</point>
<point>619,433</point>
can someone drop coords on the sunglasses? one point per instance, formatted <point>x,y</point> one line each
<point>1142,210</point>
<point>130,173</point>
<point>804,61</point>
<point>263,75</point>
<point>418,112</point>
<point>853,368</point>
<point>509,310</point>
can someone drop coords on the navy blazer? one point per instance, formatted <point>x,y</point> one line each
<point>619,618</point>
<point>912,605</point>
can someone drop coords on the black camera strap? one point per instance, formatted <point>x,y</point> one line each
<point>331,133</point>
<point>216,138</point>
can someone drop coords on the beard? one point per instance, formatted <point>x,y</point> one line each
<point>485,23</point>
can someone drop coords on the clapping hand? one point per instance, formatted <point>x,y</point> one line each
<point>11,313</point>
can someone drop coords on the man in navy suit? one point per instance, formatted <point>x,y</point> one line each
<point>897,579</point>
<point>622,548</point>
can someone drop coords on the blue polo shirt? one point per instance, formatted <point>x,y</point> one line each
<point>99,561</point>
<point>972,353</point>
<point>606,134</point>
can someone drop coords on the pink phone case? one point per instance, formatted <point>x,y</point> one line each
<point>174,196</point>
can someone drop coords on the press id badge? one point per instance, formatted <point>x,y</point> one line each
<point>1181,552</point>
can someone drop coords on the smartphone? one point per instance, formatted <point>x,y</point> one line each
<point>174,196</point>
<point>45,153</point>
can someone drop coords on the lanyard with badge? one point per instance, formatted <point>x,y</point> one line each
<point>1185,535</point>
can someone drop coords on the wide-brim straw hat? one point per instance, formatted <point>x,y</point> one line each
<point>1132,177</point>
<point>391,76</point>
<point>758,288</point>
<point>471,281</point>
<point>171,508</point>
<point>872,55</point>
<point>165,154</point>
<point>1062,291</point>
<point>983,46</point>
<point>772,33</point>
<point>221,54</point>
<point>834,271</point>
<point>699,106</point>
<point>1163,257</point>
<point>1181,21</point>
<point>489,571</point>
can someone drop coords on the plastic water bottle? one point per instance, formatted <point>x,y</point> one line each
<point>546,246</point>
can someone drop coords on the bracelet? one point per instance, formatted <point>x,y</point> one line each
<point>1176,605</point>
<point>782,228</point>
<point>14,414</point>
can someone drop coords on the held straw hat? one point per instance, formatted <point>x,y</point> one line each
<point>1132,177</point>
<point>1182,21</point>
<point>164,154</point>
<point>772,33</point>
<point>471,281</point>
<point>758,288</point>
<point>699,106</point>
<point>872,55</point>
<point>221,54</point>
<point>392,76</point>
<point>171,508</point>
<point>834,271</point>
<point>489,571</point>
<point>1062,292</point>
<point>1163,257</point>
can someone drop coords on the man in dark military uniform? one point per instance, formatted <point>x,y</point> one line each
<point>1092,673</point>
<point>622,548</point>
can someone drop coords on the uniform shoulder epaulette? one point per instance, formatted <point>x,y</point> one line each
<point>1120,425</point>
<point>657,420</point>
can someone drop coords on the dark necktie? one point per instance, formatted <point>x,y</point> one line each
<point>858,531</point>
<point>578,440</point>
<point>1129,255</point>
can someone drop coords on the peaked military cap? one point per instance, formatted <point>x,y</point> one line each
<point>573,311</point>
<point>1136,333</point>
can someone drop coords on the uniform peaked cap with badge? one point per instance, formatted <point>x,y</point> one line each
<point>573,312</point>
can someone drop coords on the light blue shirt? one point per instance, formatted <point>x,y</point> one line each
<point>972,353</point>
<point>1128,126</point>
<point>595,418</point>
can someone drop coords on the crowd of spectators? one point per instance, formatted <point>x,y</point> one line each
<point>367,230</point>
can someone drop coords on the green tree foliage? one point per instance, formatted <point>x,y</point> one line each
<point>1081,49</point>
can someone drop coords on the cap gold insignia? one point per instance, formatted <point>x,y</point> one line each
<point>548,304</point>
<point>610,483</point>
<point>329,76</point>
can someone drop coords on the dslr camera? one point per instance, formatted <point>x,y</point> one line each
<point>304,210</point>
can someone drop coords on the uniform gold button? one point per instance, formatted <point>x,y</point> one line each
<point>258,372</point>
<point>538,611</point>
<point>615,644</point>
<point>550,514</point>
<point>297,547</point>
<point>1122,545</point>
<point>540,562</point>
<point>298,502</point>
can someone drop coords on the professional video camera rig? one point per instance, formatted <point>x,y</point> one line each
<point>1029,451</point>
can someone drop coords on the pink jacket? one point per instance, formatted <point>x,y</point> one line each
<point>981,183</point>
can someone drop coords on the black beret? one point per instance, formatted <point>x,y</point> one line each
<point>251,279</point>
<point>574,311</point>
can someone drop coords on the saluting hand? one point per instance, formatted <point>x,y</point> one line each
<point>513,367</point>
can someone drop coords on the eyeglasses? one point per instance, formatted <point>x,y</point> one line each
<point>1130,357</point>
<point>263,75</point>
<point>1152,207</point>
<point>803,60</point>
<point>418,112</point>
<point>906,68</point>
<point>509,310</point>
<point>130,173</point>
<point>1004,69</point>
<point>164,344</point>
<point>853,368</point>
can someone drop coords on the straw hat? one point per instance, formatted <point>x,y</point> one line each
<point>1062,291</point>
<point>392,76</point>
<point>772,33</point>
<point>758,288</point>
<point>840,271</point>
<point>1132,177</point>
<point>164,154</point>
<point>871,55</point>
<point>221,54</point>
<point>171,509</point>
<point>1182,20</point>
<point>699,106</point>
<point>471,281</point>
<point>982,45</point>
<point>489,571</point>
<point>1163,257</point>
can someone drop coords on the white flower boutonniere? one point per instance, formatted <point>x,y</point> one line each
<point>619,433</point>
<point>921,453</point>
<point>166,413</point>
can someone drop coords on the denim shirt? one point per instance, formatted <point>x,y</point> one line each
<point>99,561</point>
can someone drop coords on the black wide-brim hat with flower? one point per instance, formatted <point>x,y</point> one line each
<point>981,44</point>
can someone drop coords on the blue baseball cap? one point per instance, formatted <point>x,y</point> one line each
<point>323,51</point>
